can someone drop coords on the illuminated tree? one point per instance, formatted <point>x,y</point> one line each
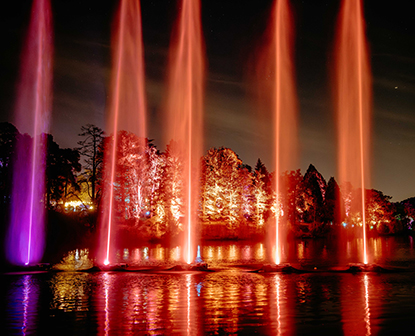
<point>137,176</point>
<point>168,199</point>
<point>225,184</point>
<point>380,212</point>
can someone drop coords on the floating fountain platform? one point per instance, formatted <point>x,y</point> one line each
<point>122,267</point>
<point>283,268</point>
<point>199,267</point>
<point>351,268</point>
<point>360,267</point>
<point>35,268</point>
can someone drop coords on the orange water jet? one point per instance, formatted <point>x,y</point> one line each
<point>353,100</point>
<point>276,72</point>
<point>184,110</point>
<point>128,101</point>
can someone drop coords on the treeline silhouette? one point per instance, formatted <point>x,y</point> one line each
<point>236,201</point>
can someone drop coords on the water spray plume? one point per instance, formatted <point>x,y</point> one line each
<point>26,233</point>
<point>353,100</point>
<point>276,58</point>
<point>184,110</point>
<point>128,103</point>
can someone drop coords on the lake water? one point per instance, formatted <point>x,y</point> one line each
<point>230,301</point>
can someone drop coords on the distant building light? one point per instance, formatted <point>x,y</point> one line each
<point>344,224</point>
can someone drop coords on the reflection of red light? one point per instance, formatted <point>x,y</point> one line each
<point>367,309</point>
<point>277,285</point>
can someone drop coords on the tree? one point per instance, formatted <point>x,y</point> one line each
<point>168,200</point>
<point>138,174</point>
<point>225,184</point>
<point>8,137</point>
<point>294,197</point>
<point>262,192</point>
<point>315,184</point>
<point>332,210</point>
<point>409,212</point>
<point>380,212</point>
<point>62,164</point>
<point>91,149</point>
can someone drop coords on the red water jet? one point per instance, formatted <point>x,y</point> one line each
<point>276,74</point>
<point>353,103</point>
<point>128,102</point>
<point>184,110</point>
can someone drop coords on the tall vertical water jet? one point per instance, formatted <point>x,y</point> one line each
<point>26,236</point>
<point>353,103</point>
<point>184,110</point>
<point>127,106</point>
<point>277,85</point>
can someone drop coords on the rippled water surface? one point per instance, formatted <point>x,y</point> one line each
<point>229,301</point>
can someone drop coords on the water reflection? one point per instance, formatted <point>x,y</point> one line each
<point>216,253</point>
<point>356,311</point>
<point>22,306</point>
<point>70,291</point>
<point>313,252</point>
<point>367,309</point>
<point>231,301</point>
<point>278,303</point>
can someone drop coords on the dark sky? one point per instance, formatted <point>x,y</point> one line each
<point>232,29</point>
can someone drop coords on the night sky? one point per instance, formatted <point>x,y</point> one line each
<point>232,31</point>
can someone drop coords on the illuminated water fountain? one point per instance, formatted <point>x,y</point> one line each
<point>127,107</point>
<point>353,104</point>
<point>26,236</point>
<point>277,69</point>
<point>184,113</point>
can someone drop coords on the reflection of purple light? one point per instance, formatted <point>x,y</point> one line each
<point>26,292</point>
<point>22,306</point>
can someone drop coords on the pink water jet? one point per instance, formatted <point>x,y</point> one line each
<point>127,106</point>
<point>184,111</point>
<point>276,73</point>
<point>353,103</point>
<point>26,236</point>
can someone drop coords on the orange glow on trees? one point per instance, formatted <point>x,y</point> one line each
<point>225,184</point>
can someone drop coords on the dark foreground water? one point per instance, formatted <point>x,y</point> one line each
<point>228,301</point>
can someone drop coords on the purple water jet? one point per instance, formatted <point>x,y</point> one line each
<point>25,238</point>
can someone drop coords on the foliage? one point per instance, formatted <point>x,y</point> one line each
<point>62,164</point>
<point>91,150</point>
<point>148,188</point>
<point>225,187</point>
